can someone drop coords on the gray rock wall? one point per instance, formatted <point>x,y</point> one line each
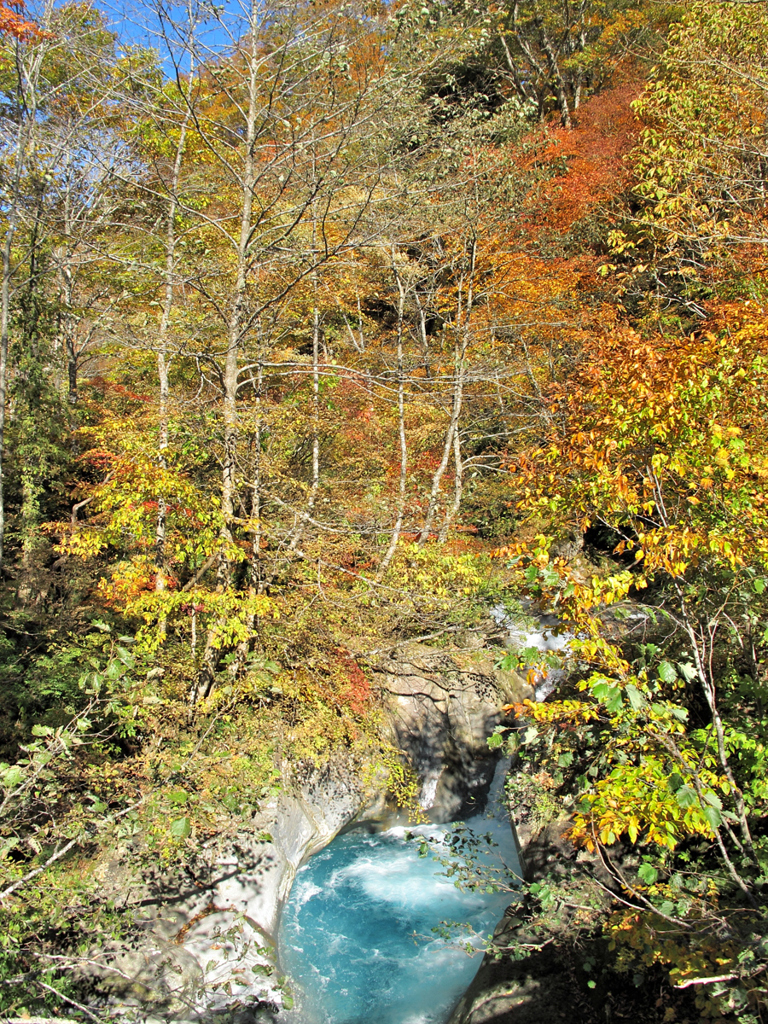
<point>441,710</point>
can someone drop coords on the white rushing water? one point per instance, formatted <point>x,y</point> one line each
<point>357,935</point>
<point>543,637</point>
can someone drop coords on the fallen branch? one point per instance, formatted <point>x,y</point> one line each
<point>707,981</point>
<point>36,871</point>
<point>70,1000</point>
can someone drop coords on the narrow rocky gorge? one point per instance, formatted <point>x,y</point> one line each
<point>208,941</point>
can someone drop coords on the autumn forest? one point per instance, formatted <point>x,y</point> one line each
<point>326,326</point>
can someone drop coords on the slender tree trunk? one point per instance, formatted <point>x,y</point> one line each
<point>710,695</point>
<point>458,488</point>
<point>423,336</point>
<point>69,346</point>
<point>234,326</point>
<point>256,582</point>
<point>360,322</point>
<point>27,77</point>
<point>463,314</point>
<point>456,403</point>
<point>66,293</point>
<point>315,483</point>
<point>358,344</point>
<point>256,570</point>
<point>162,359</point>
<point>4,320</point>
<point>556,76</point>
<point>523,90</point>
<point>699,645</point>
<point>579,83</point>
<point>400,426</point>
<point>32,469</point>
<point>5,307</point>
<point>212,654</point>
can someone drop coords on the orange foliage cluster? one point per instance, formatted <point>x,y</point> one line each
<point>109,386</point>
<point>356,691</point>
<point>593,153</point>
<point>664,436</point>
<point>13,23</point>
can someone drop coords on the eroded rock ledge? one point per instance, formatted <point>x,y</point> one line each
<point>441,710</point>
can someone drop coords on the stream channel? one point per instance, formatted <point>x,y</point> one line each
<point>356,936</point>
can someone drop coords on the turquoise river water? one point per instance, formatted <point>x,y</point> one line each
<point>357,938</point>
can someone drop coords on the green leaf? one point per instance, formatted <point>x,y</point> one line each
<point>114,670</point>
<point>647,873</point>
<point>180,828</point>
<point>686,797</point>
<point>7,847</point>
<point>509,662</point>
<point>675,781</point>
<point>687,671</point>
<point>609,695</point>
<point>713,816</point>
<point>126,657</point>
<point>713,800</point>
<point>495,741</point>
<point>667,672</point>
<point>12,777</point>
<point>636,698</point>
<point>614,700</point>
<point>178,797</point>
<point>42,730</point>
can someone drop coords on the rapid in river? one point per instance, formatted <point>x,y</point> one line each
<point>363,935</point>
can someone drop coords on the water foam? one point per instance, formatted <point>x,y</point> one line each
<point>357,933</point>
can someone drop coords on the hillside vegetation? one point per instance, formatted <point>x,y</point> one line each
<point>327,326</point>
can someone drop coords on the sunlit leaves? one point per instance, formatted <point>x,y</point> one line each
<point>654,443</point>
<point>653,785</point>
<point>698,160</point>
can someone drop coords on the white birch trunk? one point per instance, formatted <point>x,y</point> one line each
<point>463,315</point>
<point>400,427</point>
